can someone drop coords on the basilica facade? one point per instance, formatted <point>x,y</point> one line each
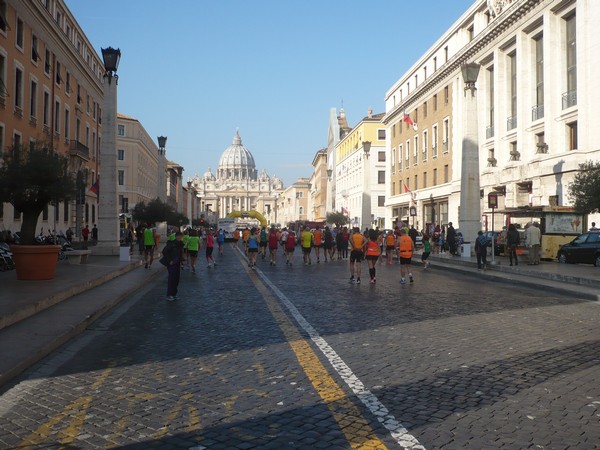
<point>237,186</point>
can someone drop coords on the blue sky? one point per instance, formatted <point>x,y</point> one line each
<point>196,70</point>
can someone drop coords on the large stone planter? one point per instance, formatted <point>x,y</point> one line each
<point>35,262</point>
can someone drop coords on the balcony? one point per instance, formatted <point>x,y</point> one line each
<point>511,123</point>
<point>78,149</point>
<point>569,99</point>
<point>537,112</point>
<point>489,132</point>
<point>445,147</point>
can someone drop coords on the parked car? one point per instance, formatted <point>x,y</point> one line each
<point>584,249</point>
<point>498,246</point>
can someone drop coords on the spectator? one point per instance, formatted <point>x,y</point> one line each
<point>533,236</point>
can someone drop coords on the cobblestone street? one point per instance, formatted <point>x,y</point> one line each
<point>297,357</point>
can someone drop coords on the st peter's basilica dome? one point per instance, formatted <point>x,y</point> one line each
<point>237,163</point>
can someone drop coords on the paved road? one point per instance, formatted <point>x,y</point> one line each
<point>299,358</point>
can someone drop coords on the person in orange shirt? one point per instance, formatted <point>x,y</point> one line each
<point>318,243</point>
<point>357,244</point>
<point>390,246</point>
<point>236,236</point>
<point>245,236</point>
<point>373,253</point>
<point>406,247</point>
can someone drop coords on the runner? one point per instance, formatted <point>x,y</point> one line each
<point>390,246</point>
<point>339,243</point>
<point>149,244</point>
<point>328,244</point>
<point>373,254</point>
<point>306,241</point>
<point>245,236</point>
<point>221,241</point>
<point>210,244</point>
<point>193,246</point>
<point>236,236</point>
<point>290,246</point>
<point>264,241</point>
<point>357,243</point>
<point>273,243</point>
<point>284,236</point>
<point>318,241</point>
<point>345,239</point>
<point>407,248</point>
<point>252,244</point>
<point>185,240</point>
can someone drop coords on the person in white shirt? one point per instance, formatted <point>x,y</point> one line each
<point>534,238</point>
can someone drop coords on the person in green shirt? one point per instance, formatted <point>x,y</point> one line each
<point>193,246</point>
<point>149,244</point>
<point>426,251</point>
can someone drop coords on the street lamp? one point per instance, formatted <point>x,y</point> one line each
<point>470,203</point>
<point>367,148</point>
<point>162,143</point>
<point>162,168</point>
<point>365,219</point>
<point>108,208</point>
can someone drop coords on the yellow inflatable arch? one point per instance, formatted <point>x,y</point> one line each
<point>253,214</point>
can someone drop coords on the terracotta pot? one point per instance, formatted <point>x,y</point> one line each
<point>35,262</point>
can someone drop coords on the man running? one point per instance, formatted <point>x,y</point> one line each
<point>357,245</point>
<point>306,240</point>
<point>290,246</point>
<point>407,247</point>
<point>221,241</point>
<point>390,246</point>
<point>149,245</point>
<point>373,254</point>
<point>252,244</point>
<point>193,246</point>
<point>318,241</point>
<point>273,244</point>
<point>264,241</point>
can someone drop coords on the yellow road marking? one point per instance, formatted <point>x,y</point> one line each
<point>356,428</point>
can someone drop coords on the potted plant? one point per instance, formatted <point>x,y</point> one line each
<point>31,178</point>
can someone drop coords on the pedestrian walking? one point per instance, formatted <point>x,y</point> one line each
<point>451,239</point>
<point>407,248</point>
<point>339,244</point>
<point>95,233</point>
<point>69,234</point>
<point>372,255</point>
<point>534,237</point>
<point>481,244</point>
<point>345,239</point>
<point>171,257</point>
<point>357,244</point>
<point>512,241</point>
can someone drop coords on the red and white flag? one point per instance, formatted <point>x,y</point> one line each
<point>412,194</point>
<point>345,210</point>
<point>409,121</point>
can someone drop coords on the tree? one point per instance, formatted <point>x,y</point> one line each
<point>337,218</point>
<point>158,211</point>
<point>584,191</point>
<point>31,178</point>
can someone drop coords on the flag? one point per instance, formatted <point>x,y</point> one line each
<point>96,187</point>
<point>345,210</point>
<point>412,194</point>
<point>409,121</point>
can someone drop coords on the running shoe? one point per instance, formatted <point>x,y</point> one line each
<point>352,279</point>
<point>170,298</point>
<point>402,281</point>
<point>358,281</point>
<point>373,280</point>
<point>411,279</point>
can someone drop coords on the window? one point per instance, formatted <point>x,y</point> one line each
<point>301,210</point>
<point>424,180</point>
<point>425,72</point>
<point>57,117</point>
<point>66,211</point>
<point>381,156</point>
<point>78,94</point>
<point>394,188</point>
<point>446,173</point>
<point>434,177</point>
<point>45,108</point>
<point>67,123</point>
<point>434,141</point>
<point>446,134</point>
<point>34,48</point>
<point>67,82</point>
<point>77,129</point>
<point>572,135</point>
<point>434,63</point>
<point>33,99</point>
<point>425,145</point>
<point>512,64</point>
<point>446,54</point>
<point>400,157</point>
<point>381,177</point>
<point>121,177</point>
<point>121,155</point>
<point>491,100</point>
<point>471,32</point>
<point>416,80</point>
<point>446,94</point>
<point>87,136</point>
<point>393,162</point>
<point>87,103</point>
<point>381,135</point>
<point>381,201</point>
<point>121,130</point>
<point>540,143</point>
<point>416,151</point>
<point>394,130</point>
<point>18,90</point>
<point>407,154</point>
<point>571,60</point>
<point>47,62</point>
<point>1,145</point>
<point>491,158</point>
<point>3,90</point>
<point>58,71</point>
<point>538,112</point>
<point>20,32</point>
<point>424,110</point>
<point>416,182</point>
<point>514,152</point>
<point>3,16</point>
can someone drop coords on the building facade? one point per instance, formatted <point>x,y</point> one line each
<point>535,95</point>
<point>138,164</point>
<point>317,199</point>
<point>360,173</point>
<point>292,203</point>
<point>237,185</point>
<point>50,95</point>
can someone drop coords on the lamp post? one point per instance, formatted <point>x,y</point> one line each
<point>365,220</point>
<point>108,208</point>
<point>162,168</point>
<point>470,207</point>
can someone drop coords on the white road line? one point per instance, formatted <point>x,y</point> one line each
<point>398,432</point>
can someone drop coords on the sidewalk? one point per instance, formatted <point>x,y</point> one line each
<point>37,317</point>
<point>582,280</point>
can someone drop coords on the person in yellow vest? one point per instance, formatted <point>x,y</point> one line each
<point>406,247</point>
<point>306,242</point>
<point>149,245</point>
<point>357,247</point>
<point>318,241</point>
<point>390,246</point>
<point>193,246</point>
<point>373,254</point>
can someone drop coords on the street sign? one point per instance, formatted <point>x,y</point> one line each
<point>493,200</point>
<point>413,211</point>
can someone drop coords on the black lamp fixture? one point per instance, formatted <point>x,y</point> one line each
<point>329,173</point>
<point>470,72</point>
<point>111,57</point>
<point>162,143</point>
<point>367,148</point>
